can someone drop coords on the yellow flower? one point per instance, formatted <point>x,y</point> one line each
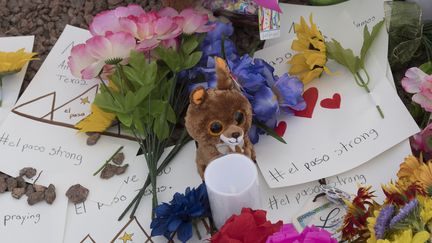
<point>425,208</point>
<point>409,167</point>
<point>406,236</point>
<point>424,175</point>
<point>309,62</point>
<point>371,221</point>
<point>12,62</point>
<point>97,121</point>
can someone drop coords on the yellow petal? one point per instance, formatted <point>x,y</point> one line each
<point>312,75</point>
<point>14,61</point>
<point>315,59</point>
<point>421,237</point>
<point>97,121</point>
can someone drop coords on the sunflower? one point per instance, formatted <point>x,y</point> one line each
<point>13,62</point>
<point>309,62</point>
<point>409,167</point>
<point>97,121</point>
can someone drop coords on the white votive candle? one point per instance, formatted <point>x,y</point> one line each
<point>232,184</point>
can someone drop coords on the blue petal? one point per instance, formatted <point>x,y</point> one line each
<point>174,224</point>
<point>267,71</point>
<point>253,134</point>
<point>221,29</point>
<point>289,91</point>
<point>184,232</point>
<point>265,104</point>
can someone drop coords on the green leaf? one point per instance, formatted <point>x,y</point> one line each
<point>106,102</point>
<point>269,131</point>
<point>141,74</point>
<point>343,56</point>
<point>142,94</point>
<point>161,128</point>
<point>189,44</point>
<point>368,39</point>
<point>192,60</point>
<point>426,67</point>
<point>125,119</point>
<point>170,57</point>
<point>129,102</point>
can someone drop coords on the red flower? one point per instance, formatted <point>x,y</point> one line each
<point>250,226</point>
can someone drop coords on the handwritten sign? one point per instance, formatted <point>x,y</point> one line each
<point>40,130</point>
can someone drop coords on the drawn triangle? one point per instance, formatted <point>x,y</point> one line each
<point>88,239</point>
<point>135,228</point>
<point>37,107</point>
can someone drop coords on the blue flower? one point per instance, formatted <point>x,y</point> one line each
<point>383,221</point>
<point>249,75</point>
<point>404,212</point>
<point>265,104</point>
<point>289,93</point>
<point>178,214</point>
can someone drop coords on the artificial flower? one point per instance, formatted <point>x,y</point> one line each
<point>176,216</point>
<point>399,194</point>
<point>251,226</point>
<point>425,203</point>
<point>110,20</point>
<point>420,84</point>
<point>371,221</point>
<point>383,221</point>
<point>421,143</point>
<point>264,104</point>
<point>13,62</point>
<point>289,91</point>
<point>408,168</point>
<point>424,176</point>
<point>97,121</point>
<point>311,234</point>
<point>404,212</point>
<point>407,236</point>
<point>310,61</point>
<point>87,60</point>
<point>194,22</point>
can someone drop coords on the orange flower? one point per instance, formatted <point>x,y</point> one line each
<point>408,168</point>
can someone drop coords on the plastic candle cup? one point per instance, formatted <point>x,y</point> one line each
<point>232,184</point>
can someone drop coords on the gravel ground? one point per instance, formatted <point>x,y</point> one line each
<point>46,20</point>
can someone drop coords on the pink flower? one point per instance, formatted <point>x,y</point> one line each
<point>195,22</point>
<point>311,234</point>
<point>87,60</point>
<point>420,84</point>
<point>422,141</point>
<point>109,20</point>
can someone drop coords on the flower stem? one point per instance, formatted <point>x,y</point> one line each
<point>195,225</point>
<point>425,120</point>
<point>106,162</point>
<point>1,90</point>
<point>360,82</point>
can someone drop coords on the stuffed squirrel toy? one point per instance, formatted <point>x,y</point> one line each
<point>219,119</point>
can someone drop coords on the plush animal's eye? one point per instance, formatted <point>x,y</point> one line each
<point>215,128</point>
<point>239,117</point>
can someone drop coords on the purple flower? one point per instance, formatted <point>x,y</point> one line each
<point>383,220</point>
<point>264,104</point>
<point>310,234</point>
<point>404,212</point>
<point>289,93</point>
<point>177,216</point>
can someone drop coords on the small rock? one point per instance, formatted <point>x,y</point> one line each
<point>11,183</point>
<point>108,172</point>
<point>29,172</point>
<point>4,176</point>
<point>29,190</point>
<point>118,158</point>
<point>21,182</point>
<point>50,194</point>
<point>3,185</point>
<point>93,138</point>
<point>39,188</point>
<point>35,197</point>
<point>121,169</point>
<point>77,193</point>
<point>18,192</point>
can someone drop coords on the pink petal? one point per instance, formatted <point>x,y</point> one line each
<point>145,30</point>
<point>168,12</point>
<point>147,45</point>
<point>129,25</point>
<point>412,80</point>
<point>171,43</point>
<point>205,28</point>
<point>79,59</point>
<point>423,101</point>
<point>131,9</point>
<point>165,28</point>
<point>121,43</point>
<point>103,22</point>
<point>92,70</point>
<point>99,47</point>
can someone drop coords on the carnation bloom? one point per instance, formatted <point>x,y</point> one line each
<point>420,84</point>
<point>87,60</point>
<point>310,234</point>
<point>251,226</point>
<point>311,59</point>
<point>109,20</point>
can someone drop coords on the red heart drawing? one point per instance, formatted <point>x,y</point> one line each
<point>280,128</point>
<point>331,103</point>
<point>311,97</point>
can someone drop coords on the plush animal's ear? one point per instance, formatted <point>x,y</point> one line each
<point>224,80</point>
<point>198,96</point>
